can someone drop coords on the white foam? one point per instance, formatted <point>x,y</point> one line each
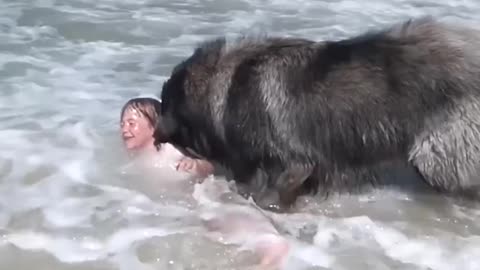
<point>81,250</point>
<point>70,212</point>
<point>64,78</point>
<point>434,252</point>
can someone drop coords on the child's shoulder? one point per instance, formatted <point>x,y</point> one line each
<point>168,150</point>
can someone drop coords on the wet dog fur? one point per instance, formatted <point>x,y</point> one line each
<point>294,116</point>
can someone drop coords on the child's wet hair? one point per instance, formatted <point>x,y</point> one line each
<point>148,107</point>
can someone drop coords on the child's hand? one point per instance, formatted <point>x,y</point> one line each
<point>196,166</point>
<point>187,165</point>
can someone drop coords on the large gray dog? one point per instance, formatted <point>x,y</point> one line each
<point>294,116</point>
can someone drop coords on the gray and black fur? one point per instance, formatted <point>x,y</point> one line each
<point>295,115</point>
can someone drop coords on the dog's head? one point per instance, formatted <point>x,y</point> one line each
<point>185,120</point>
<point>174,125</point>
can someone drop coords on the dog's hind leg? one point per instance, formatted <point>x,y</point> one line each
<point>448,155</point>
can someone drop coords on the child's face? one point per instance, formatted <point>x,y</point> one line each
<point>137,133</point>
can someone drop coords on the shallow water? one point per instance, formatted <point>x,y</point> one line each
<point>66,67</point>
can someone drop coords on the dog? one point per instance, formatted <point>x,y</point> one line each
<point>292,116</point>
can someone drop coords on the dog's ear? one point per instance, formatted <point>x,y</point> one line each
<point>209,52</point>
<point>162,133</point>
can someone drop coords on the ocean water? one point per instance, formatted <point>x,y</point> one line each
<point>66,199</point>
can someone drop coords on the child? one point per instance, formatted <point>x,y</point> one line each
<point>235,220</point>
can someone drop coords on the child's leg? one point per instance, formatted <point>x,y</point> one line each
<point>273,251</point>
<point>253,232</point>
